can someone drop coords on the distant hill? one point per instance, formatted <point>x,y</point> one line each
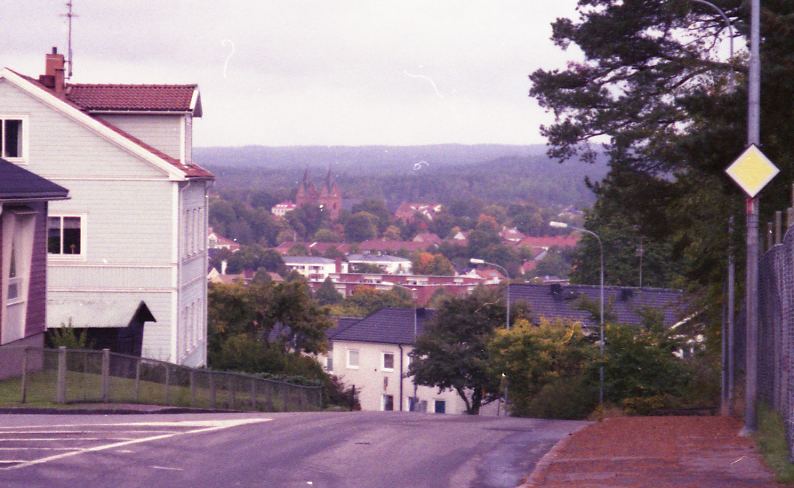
<point>442,173</point>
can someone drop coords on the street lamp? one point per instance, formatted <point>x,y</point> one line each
<point>482,261</point>
<point>563,225</point>
<point>507,323</point>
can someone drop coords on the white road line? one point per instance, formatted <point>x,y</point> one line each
<point>166,468</point>
<point>7,461</point>
<point>25,448</point>
<point>207,426</point>
<point>113,431</point>
<point>66,439</point>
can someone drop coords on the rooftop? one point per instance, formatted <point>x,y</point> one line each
<point>386,326</point>
<point>17,183</point>
<point>126,97</point>
<point>624,303</point>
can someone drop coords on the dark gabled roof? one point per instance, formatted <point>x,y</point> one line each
<point>624,303</point>
<point>386,326</point>
<point>342,323</point>
<point>18,184</point>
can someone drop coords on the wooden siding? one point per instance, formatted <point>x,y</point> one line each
<point>61,147</point>
<point>37,287</point>
<point>160,131</point>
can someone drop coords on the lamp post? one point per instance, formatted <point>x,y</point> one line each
<point>411,290</point>
<point>563,225</point>
<point>482,261</point>
<point>727,329</point>
<point>507,322</point>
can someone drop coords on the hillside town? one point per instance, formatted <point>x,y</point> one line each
<point>304,287</point>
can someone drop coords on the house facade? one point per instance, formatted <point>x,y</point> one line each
<point>373,354</point>
<point>24,199</point>
<point>388,264</point>
<point>134,232</point>
<point>313,268</point>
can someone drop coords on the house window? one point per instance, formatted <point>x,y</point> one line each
<point>65,235</point>
<point>11,138</point>
<point>388,361</point>
<point>352,358</point>
<point>388,403</point>
<point>440,406</point>
<point>14,279</point>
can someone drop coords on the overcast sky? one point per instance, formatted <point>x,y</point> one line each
<point>327,72</point>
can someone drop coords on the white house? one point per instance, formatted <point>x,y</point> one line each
<point>133,235</point>
<point>373,354</point>
<point>314,268</point>
<point>389,264</point>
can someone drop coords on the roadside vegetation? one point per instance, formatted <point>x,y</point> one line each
<point>771,438</point>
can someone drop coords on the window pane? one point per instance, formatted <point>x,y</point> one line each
<point>388,403</point>
<point>13,138</point>
<point>54,235</point>
<point>71,235</point>
<point>352,358</point>
<point>441,406</point>
<point>12,272</point>
<point>388,361</point>
<point>13,290</point>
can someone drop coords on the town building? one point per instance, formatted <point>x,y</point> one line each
<point>217,241</point>
<point>372,354</point>
<point>409,211</point>
<point>313,268</point>
<point>328,197</point>
<point>388,264</point>
<point>24,200</point>
<point>133,236</point>
<point>283,208</point>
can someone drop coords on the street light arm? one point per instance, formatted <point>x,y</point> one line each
<point>507,291</point>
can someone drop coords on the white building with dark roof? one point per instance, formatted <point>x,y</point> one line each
<point>313,268</point>
<point>135,229</point>
<point>388,264</point>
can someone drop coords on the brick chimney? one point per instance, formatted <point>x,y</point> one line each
<point>54,72</point>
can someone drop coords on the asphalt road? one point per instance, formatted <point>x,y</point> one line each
<point>318,450</point>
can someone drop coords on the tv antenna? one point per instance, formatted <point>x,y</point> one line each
<point>69,15</point>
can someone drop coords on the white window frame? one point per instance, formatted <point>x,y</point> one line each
<point>347,359</point>
<point>383,361</point>
<point>83,237</point>
<point>25,138</point>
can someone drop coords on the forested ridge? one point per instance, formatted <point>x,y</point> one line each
<point>440,173</point>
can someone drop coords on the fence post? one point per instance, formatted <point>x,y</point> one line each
<point>231,390</point>
<point>253,393</point>
<point>24,375</point>
<point>60,388</point>
<point>192,388</point>
<point>212,390</point>
<point>167,384</point>
<point>138,379</point>
<point>105,374</point>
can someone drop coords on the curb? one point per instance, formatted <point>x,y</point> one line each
<point>538,475</point>
<point>107,411</point>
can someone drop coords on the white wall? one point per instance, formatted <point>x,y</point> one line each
<point>132,247</point>
<point>163,132</point>
<point>373,382</point>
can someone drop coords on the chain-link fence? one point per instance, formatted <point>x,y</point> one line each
<point>776,332</point>
<point>37,375</point>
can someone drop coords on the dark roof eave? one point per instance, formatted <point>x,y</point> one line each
<point>38,198</point>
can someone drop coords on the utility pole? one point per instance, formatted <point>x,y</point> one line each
<point>753,204</point>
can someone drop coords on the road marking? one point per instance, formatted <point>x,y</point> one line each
<point>200,426</point>
<point>114,431</point>
<point>166,468</point>
<point>66,439</point>
<point>26,448</point>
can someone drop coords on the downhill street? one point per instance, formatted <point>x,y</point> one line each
<point>362,449</point>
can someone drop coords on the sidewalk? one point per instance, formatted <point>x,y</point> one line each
<point>702,452</point>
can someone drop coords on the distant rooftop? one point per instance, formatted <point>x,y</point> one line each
<point>288,260</point>
<point>386,326</point>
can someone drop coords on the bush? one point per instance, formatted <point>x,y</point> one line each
<point>564,398</point>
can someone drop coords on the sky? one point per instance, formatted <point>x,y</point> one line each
<point>314,72</point>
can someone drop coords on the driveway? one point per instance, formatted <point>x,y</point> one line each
<point>362,449</point>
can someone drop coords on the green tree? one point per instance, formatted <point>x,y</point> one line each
<point>452,353</point>
<point>366,300</point>
<point>378,209</point>
<point>327,294</point>
<point>654,82</point>
<point>361,226</point>
<point>548,368</point>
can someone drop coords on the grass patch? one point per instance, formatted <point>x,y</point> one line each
<point>771,439</point>
<point>86,387</point>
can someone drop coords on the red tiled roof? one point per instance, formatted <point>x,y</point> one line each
<point>156,98</point>
<point>550,241</point>
<point>190,170</point>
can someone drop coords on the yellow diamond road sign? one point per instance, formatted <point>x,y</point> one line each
<point>752,171</point>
